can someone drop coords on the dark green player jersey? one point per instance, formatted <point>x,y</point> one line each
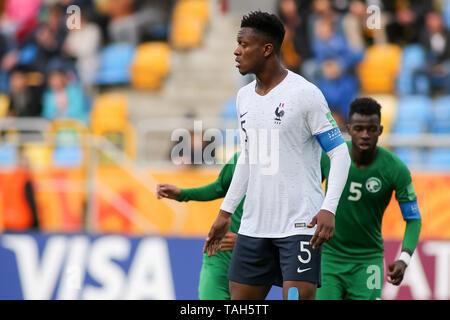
<point>366,195</point>
<point>216,190</point>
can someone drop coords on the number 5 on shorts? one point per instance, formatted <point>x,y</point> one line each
<point>303,249</point>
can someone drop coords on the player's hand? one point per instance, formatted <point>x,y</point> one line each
<point>325,228</point>
<point>217,233</point>
<point>227,243</point>
<point>167,191</point>
<point>396,272</point>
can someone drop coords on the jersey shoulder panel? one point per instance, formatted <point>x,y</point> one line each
<point>245,90</point>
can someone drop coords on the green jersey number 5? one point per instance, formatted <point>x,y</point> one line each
<point>355,192</point>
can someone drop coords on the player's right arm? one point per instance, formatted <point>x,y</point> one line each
<point>209,192</point>
<point>235,193</point>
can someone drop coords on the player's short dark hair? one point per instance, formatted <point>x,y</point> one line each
<point>267,24</point>
<point>366,106</point>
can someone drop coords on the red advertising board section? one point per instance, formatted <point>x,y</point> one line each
<point>428,275</point>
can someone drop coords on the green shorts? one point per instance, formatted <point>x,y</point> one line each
<point>214,284</point>
<point>350,280</point>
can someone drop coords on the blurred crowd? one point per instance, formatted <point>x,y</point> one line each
<point>50,50</point>
<point>327,39</point>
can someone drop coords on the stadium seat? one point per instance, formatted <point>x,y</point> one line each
<point>413,58</point>
<point>68,138</point>
<point>4,105</point>
<point>413,114</point>
<point>440,116</point>
<point>229,110</point>
<point>414,107</point>
<point>410,156</point>
<point>8,155</point>
<point>186,34</point>
<point>109,119</point>
<point>438,159</point>
<point>189,20</point>
<point>110,110</point>
<point>38,154</point>
<point>378,70</point>
<point>193,9</point>
<point>115,62</point>
<point>150,65</point>
<point>67,156</point>
<point>409,128</point>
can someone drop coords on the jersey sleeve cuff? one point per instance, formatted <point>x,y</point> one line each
<point>230,208</point>
<point>329,208</point>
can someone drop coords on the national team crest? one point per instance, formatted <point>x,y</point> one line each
<point>279,113</point>
<point>373,185</point>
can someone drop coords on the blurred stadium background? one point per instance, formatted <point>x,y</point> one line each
<point>92,91</point>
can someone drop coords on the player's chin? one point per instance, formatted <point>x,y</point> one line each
<point>365,148</point>
<point>242,71</point>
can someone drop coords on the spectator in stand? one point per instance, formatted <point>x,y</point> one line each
<point>19,18</point>
<point>296,46</point>
<point>333,68</point>
<point>83,45</point>
<point>24,101</point>
<point>406,19</point>
<point>47,40</point>
<point>153,19</point>
<point>322,9</point>
<point>64,99</point>
<point>355,29</point>
<point>123,23</point>
<point>435,38</point>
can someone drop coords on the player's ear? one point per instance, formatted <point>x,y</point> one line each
<point>381,129</point>
<point>268,49</point>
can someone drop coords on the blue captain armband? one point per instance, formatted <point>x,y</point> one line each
<point>330,139</point>
<point>410,210</point>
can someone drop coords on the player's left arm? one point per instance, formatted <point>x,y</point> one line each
<point>407,200</point>
<point>337,151</point>
<point>329,137</point>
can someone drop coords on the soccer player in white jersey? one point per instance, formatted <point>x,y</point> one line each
<point>286,217</point>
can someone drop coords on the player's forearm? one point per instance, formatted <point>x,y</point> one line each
<point>339,166</point>
<point>411,235</point>
<point>209,192</point>
<point>238,186</point>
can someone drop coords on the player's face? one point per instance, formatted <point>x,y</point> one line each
<point>364,130</point>
<point>249,52</point>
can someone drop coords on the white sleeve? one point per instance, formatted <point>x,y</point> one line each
<point>238,186</point>
<point>339,166</point>
<point>239,182</point>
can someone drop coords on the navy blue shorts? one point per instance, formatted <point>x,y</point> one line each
<point>270,261</point>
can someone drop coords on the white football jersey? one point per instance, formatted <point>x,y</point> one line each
<point>279,168</point>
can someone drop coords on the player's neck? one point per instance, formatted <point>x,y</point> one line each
<point>272,75</point>
<point>362,159</point>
